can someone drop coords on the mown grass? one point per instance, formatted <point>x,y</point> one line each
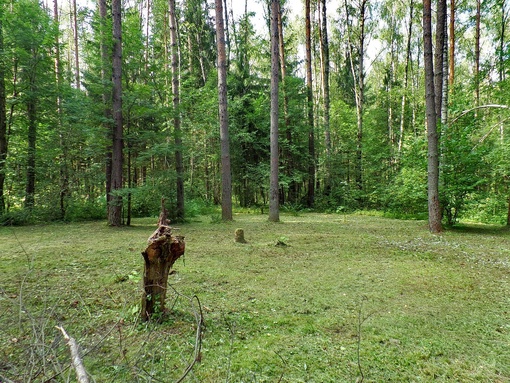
<point>349,298</point>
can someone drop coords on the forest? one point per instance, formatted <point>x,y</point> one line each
<point>107,107</point>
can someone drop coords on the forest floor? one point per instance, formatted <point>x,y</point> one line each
<point>341,298</point>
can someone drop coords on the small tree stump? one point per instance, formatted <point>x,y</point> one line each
<point>163,249</point>
<point>239,236</point>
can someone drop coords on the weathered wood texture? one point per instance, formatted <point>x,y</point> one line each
<point>163,249</point>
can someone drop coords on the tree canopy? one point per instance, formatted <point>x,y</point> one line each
<point>121,109</point>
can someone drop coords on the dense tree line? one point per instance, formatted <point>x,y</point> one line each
<point>112,106</point>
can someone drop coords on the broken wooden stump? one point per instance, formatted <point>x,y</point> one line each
<point>239,236</point>
<point>163,249</point>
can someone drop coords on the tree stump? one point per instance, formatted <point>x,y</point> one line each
<point>239,236</point>
<point>163,249</point>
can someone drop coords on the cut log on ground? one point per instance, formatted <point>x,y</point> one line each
<point>163,249</point>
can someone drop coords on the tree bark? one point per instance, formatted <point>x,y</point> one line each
<point>406,78</point>
<point>274,205</point>
<point>162,250</point>
<point>432,137</point>
<point>309,92</point>
<point>106,61</point>
<point>359,88</point>
<point>451,72</point>
<point>76,47</point>
<point>32,138</point>
<point>3,120</point>
<point>176,112</point>
<point>477,53</point>
<point>287,153</point>
<point>324,43</point>
<point>439,55</point>
<point>226,177</point>
<point>115,205</point>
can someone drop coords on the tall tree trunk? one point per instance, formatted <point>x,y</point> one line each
<point>64,171</point>
<point>115,206</point>
<point>451,72</point>
<point>289,168</point>
<point>439,55</point>
<point>274,206</point>
<point>444,88</point>
<point>179,167</point>
<point>477,53</point>
<point>76,47</point>
<point>147,35</point>
<point>360,99</point>
<point>227,34</point>
<point>226,177</point>
<point>502,39</point>
<point>32,136</point>
<point>309,88</point>
<point>406,78</point>
<point>3,122</point>
<point>325,77</point>
<point>432,137</point>
<point>106,60</point>
<point>359,88</point>
<point>325,92</point>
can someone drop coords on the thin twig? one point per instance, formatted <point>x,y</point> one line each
<point>198,339</point>
<point>284,365</point>
<point>361,320</point>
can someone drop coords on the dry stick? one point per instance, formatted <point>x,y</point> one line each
<point>81,374</point>
<point>360,323</point>
<point>85,354</point>
<point>199,316</point>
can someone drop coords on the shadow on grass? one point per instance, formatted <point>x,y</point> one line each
<point>480,229</point>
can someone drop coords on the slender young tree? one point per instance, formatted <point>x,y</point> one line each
<point>174,48</point>
<point>226,177</point>
<point>115,205</point>
<point>3,122</point>
<point>274,206</point>
<point>477,52</point>
<point>432,136</point>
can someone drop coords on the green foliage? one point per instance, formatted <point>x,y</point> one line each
<point>407,195</point>
<point>462,160</point>
<point>90,210</point>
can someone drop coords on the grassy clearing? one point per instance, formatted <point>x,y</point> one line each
<point>349,296</point>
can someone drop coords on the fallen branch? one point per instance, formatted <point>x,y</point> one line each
<point>81,374</point>
<point>488,106</point>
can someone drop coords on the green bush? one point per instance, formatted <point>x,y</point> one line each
<point>408,194</point>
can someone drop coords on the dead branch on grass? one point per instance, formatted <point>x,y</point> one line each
<point>79,368</point>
